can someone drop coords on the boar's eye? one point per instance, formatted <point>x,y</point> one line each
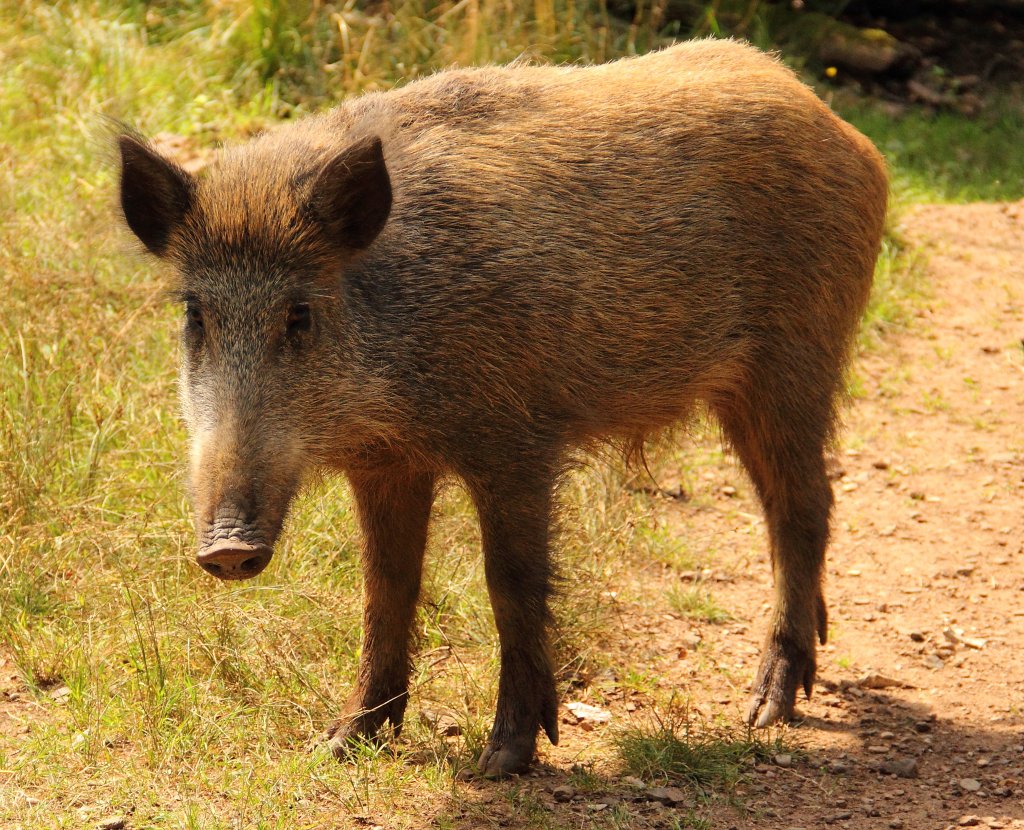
<point>193,316</point>
<point>298,318</point>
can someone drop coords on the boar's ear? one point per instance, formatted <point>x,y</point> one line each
<point>155,193</point>
<point>352,194</point>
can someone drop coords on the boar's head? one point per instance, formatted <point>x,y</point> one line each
<point>273,382</point>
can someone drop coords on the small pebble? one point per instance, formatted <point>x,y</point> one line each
<point>61,694</point>
<point>669,796</point>
<point>442,723</point>
<point>901,767</point>
<point>784,759</point>
<point>971,785</point>
<point>113,823</point>
<point>563,793</point>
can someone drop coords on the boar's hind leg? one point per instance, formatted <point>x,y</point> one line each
<point>394,510</point>
<point>515,513</point>
<point>783,451</point>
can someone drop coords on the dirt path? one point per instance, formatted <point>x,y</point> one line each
<point>924,673</point>
<point>930,542</point>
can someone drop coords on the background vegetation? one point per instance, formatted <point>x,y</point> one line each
<point>157,693</point>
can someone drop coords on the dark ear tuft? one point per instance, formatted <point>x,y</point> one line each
<point>155,193</point>
<point>352,194</point>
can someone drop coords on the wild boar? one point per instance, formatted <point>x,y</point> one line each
<point>478,274</point>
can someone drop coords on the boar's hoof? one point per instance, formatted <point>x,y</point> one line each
<point>784,667</point>
<point>231,559</point>
<point>345,743</point>
<point>509,758</point>
<point>348,733</point>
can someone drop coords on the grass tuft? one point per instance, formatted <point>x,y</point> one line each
<point>697,604</point>
<point>898,288</point>
<point>689,751</point>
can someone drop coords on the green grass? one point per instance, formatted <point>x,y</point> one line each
<point>945,157</point>
<point>685,750</point>
<point>697,604</point>
<point>899,285</point>
<point>193,704</point>
<point>190,703</point>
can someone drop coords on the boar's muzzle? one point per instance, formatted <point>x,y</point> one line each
<point>234,559</point>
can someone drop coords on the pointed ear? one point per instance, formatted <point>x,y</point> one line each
<point>352,194</point>
<point>155,193</point>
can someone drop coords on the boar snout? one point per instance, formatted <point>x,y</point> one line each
<point>241,486</point>
<point>235,544</point>
<point>233,559</point>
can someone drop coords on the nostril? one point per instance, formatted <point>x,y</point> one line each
<point>232,559</point>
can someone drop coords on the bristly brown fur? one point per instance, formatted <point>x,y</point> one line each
<point>564,258</point>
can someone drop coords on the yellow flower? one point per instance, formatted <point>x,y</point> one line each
<point>831,72</point>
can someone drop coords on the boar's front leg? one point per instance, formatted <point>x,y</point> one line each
<point>514,504</point>
<point>394,511</point>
